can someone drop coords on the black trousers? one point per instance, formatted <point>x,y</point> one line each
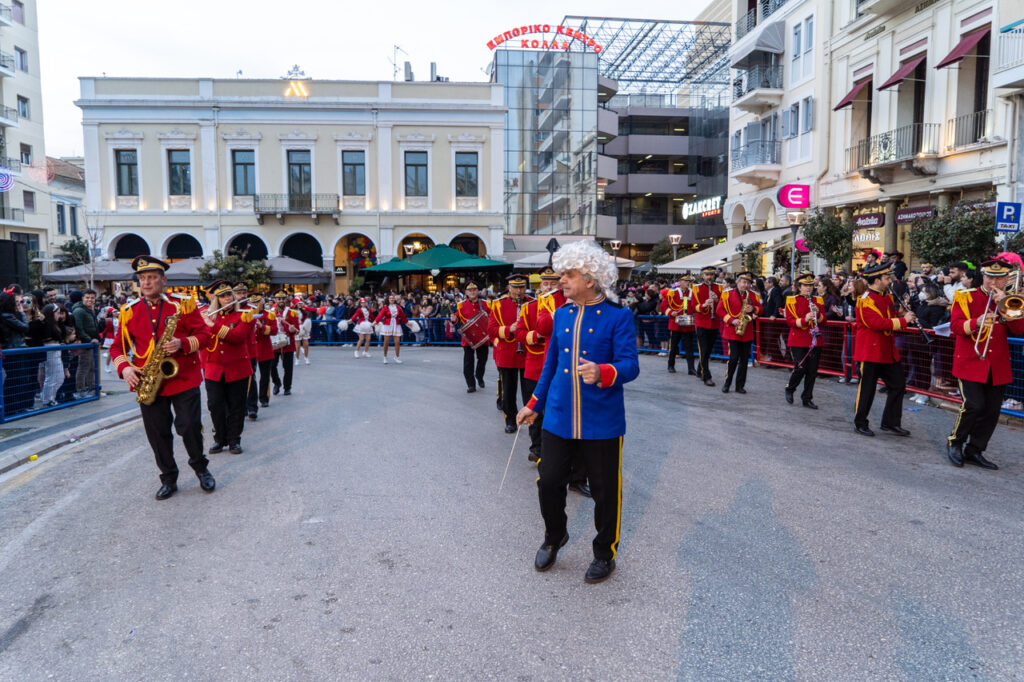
<point>739,358</point>
<point>891,374</point>
<point>705,342</point>
<point>535,428</point>
<point>510,378</point>
<point>805,369</point>
<point>251,401</point>
<point>673,348</point>
<point>603,460</point>
<point>184,411</point>
<point>287,359</point>
<point>978,416</point>
<point>226,402</point>
<point>468,355</point>
<point>266,369</point>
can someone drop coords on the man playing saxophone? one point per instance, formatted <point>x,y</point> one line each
<point>737,309</point>
<point>176,398</point>
<point>804,314</point>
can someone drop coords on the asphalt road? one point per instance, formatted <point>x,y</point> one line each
<point>362,536</point>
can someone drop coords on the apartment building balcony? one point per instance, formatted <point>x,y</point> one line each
<point>281,205</point>
<point>641,145</point>
<point>913,146</point>
<point>8,117</point>
<point>6,15</point>
<point>607,124</point>
<point>12,216</point>
<point>746,23</point>
<point>1009,54</point>
<point>757,163</point>
<point>878,6</point>
<point>649,183</point>
<point>969,130</point>
<point>757,89</point>
<point>11,164</point>
<point>7,64</point>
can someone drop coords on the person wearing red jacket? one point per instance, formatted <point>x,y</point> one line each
<point>178,403</point>
<point>226,366</point>
<point>241,291</point>
<point>677,303</point>
<point>391,318</point>
<point>982,377</point>
<point>705,303</point>
<point>509,354</point>
<point>288,321</point>
<point>805,315</point>
<point>731,306</point>
<point>875,350</point>
<point>264,327</point>
<point>464,312</point>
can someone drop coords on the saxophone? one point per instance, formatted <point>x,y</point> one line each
<point>744,318</point>
<point>158,367</point>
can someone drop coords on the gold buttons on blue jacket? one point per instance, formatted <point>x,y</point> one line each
<point>598,312</point>
<point>566,330</point>
<point>566,371</point>
<point>584,352</point>
<point>566,350</point>
<point>590,331</point>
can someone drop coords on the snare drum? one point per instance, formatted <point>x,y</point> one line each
<point>684,320</point>
<point>475,330</point>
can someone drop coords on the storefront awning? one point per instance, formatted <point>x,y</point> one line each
<point>851,95</point>
<point>719,253</point>
<point>963,47</point>
<point>772,38</point>
<point>902,72</point>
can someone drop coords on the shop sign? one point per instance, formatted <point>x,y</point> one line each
<point>705,207</point>
<point>339,270</point>
<point>909,215</point>
<point>869,220</point>
<point>795,196</point>
<point>561,40</point>
<point>863,239</point>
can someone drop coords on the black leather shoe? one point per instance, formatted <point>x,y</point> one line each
<point>671,370</point>
<point>166,490</point>
<point>471,389</point>
<point>509,428</point>
<point>725,389</point>
<point>979,459</point>
<point>810,404</point>
<point>277,389</point>
<point>955,452</point>
<point>480,382</point>
<point>709,382</point>
<point>599,570</point>
<point>264,404</point>
<point>547,554</point>
<point>789,396</point>
<point>235,449</point>
<point>287,391</point>
<point>581,488</point>
<point>533,457</point>
<point>217,447</point>
<point>741,391</point>
<point>863,430</point>
<point>499,406</point>
<point>206,481</point>
<point>896,430</point>
<point>691,373</point>
<point>252,416</point>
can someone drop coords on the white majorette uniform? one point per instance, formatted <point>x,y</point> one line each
<point>363,321</point>
<point>391,318</point>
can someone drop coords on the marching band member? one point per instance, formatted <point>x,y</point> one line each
<point>140,325</point>
<point>391,318</point>
<point>805,321</point>
<point>981,363</point>
<point>535,341</point>
<point>464,312</point>
<point>287,321</point>
<point>241,291</point>
<point>365,331</point>
<point>738,308</point>
<point>705,301</point>
<point>591,354</point>
<point>265,326</point>
<point>875,350</point>
<point>509,354</point>
<point>675,302</point>
<point>226,366</point>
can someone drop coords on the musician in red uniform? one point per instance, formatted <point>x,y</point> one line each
<point>288,320</point>
<point>264,327</point>
<point>983,375</point>
<point>464,312</point>
<point>732,306</point>
<point>705,302</point>
<point>178,403</point>
<point>805,321</point>
<point>677,303</point>
<point>226,366</point>
<point>875,350</point>
<point>241,291</point>
<point>509,354</point>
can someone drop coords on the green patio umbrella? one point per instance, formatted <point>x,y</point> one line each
<point>474,263</point>
<point>398,266</point>
<point>438,257</point>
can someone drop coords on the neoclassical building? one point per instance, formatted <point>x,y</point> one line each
<point>333,173</point>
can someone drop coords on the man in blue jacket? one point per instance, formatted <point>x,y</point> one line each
<point>591,355</point>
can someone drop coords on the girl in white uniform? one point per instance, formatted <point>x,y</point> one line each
<point>391,318</point>
<point>362,324</point>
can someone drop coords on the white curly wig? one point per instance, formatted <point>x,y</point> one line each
<point>591,261</point>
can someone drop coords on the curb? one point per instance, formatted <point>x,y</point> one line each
<point>22,455</point>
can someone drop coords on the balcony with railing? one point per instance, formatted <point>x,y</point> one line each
<point>281,205</point>
<point>757,163</point>
<point>12,215</point>
<point>746,23</point>
<point>969,129</point>
<point>770,7</point>
<point>7,64</point>
<point>6,15</point>
<point>8,116</point>
<point>878,7</point>
<point>910,143</point>
<point>1009,52</point>
<point>10,163</point>
<point>758,88</point>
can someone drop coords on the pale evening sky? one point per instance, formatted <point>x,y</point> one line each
<point>263,39</point>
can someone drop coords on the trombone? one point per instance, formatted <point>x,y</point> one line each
<point>1009,309</point>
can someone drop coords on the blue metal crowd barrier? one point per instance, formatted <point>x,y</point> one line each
<point>43,379</point>
<point>1015,391</point>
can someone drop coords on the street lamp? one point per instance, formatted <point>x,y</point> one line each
<point>616,244</point>
<point>409,249</point>
<point>95,231</point>
<point>795,218</point>
<point>674,240</point>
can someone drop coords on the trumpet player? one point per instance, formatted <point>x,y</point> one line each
<point>676,303</point>
<point>981,362</point>
<point>804,314</point>
<point>738,308</point>
<point>141,325</point>
<point>226,367</point>
<point>705,299</point>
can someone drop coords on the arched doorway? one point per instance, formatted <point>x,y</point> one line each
<point>247,245</point>
<point>470,244</point>
<point>418,242</point>
<point>129,246</point>
<point>183,246</point>
<point>352,253</point>
<point>304,247</point>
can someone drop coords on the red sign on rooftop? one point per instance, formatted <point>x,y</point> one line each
<point>561,40</point>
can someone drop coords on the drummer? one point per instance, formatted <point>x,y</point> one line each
<point>466,311</point>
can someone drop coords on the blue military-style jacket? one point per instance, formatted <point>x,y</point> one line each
<point>604,334</point>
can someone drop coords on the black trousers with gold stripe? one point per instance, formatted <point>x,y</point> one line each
<point>978,416</point>
<point>603,459</point>
<point>705,344</point>
<point>739,358</point>
<point>891,374</point>
<point>511,380</point>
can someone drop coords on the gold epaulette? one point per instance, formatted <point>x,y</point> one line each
<point>271,315</point>
<point>247,316</point>
<point>126,313</point>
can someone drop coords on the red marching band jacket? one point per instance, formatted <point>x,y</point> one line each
<point>730,305</point>
<point>705,317</point>
<point>504,312</point>
<point>227,355</point>
<point>136,335</point>
<point>536,320</point>
<point>264,326</point>
<point>673,303</point>
<point>797,308</point>
<point>289,316</point>
<point>968,306</point>
<point>877,319</point>
<point>467,310</point>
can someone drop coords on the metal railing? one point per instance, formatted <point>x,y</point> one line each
<point>894,146</point>
<point>968,129</point>
<point>7,61</point>
<point>770,7</point>
<point>641,100</point>
<point>746,24</point>
<point>295,203</point>
<point>32,380</point>
<point>9,113</point>
<point>14,215</point>
<point>6,13</point>
<point>10,163</point>
<point>748,80</point>
<point>756,153</point>
<point>1011,49</point>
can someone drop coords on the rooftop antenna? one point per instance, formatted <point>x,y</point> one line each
<point>394,60</point>
<point>295,74</point>
<point>238,74</point>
